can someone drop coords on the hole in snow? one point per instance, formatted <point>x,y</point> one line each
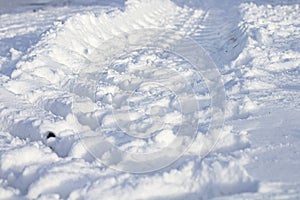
<point>50,135</point>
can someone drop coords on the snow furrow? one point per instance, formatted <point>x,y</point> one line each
<point>63,84</point>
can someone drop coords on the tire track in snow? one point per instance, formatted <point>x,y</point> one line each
<point>55,57</point>
<point>222,33</point>
<point>67,50</point>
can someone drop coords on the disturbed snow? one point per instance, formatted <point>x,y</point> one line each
<point>53,78</point>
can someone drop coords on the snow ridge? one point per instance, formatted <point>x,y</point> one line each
<point>60,85</point>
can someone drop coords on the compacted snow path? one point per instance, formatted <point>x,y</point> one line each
<point>65,69</point>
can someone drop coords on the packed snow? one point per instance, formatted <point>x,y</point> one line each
<point>149,99</point>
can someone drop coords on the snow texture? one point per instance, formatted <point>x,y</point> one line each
<point>73,90</point>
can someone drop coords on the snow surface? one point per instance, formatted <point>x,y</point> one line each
<point>68,67</point>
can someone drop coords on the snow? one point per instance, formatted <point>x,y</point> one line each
<point>149,99</point>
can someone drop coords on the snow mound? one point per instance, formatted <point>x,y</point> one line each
<point>62,84</point>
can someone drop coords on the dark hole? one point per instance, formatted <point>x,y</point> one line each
<point>50,134</point>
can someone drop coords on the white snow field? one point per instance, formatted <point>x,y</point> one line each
<point>118,100</point>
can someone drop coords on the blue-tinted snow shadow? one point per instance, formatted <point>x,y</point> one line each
<point>219,31</point>
<point>36,5</point>
<point>23,43</point>
<point>20,44</point>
